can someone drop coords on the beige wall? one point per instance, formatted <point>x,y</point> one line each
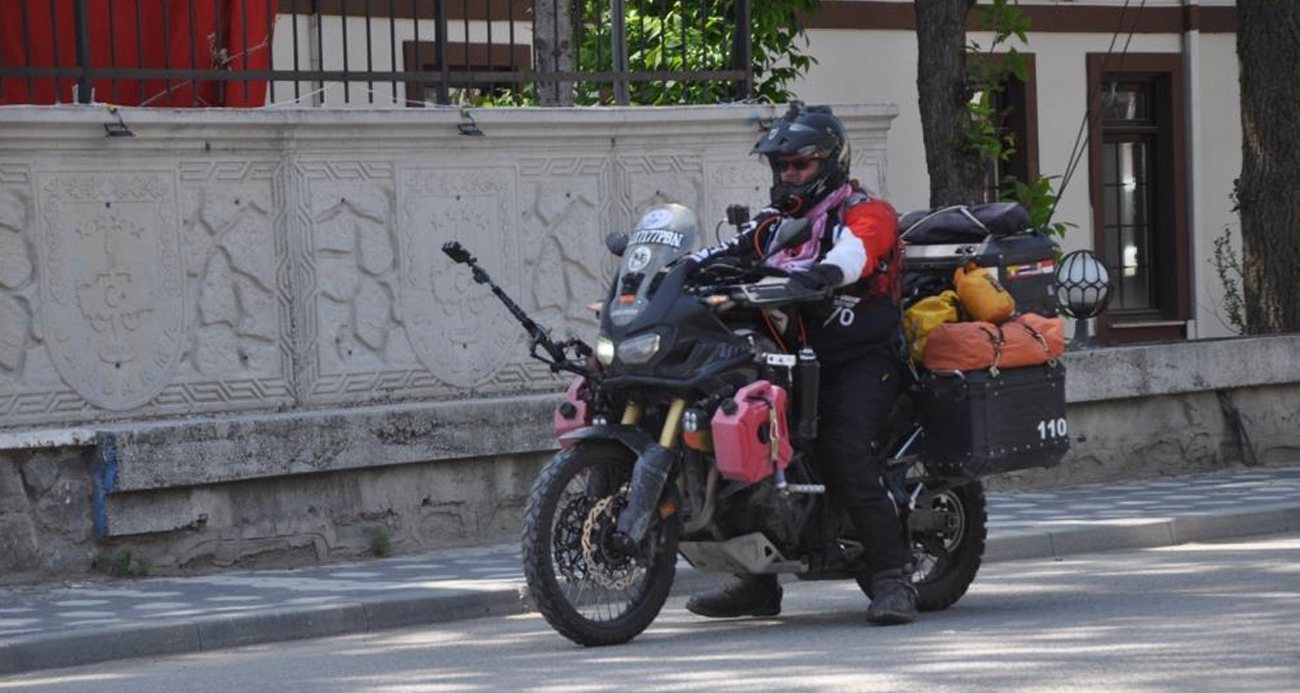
<point>1216,160</point>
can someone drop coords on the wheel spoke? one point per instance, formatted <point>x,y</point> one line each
<point>582,571</point>
<point>583,583</point>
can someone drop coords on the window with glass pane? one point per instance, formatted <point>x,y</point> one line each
<point>1138,181</point>
<point>1015,115</point>
<point>1127,102</point>
<point>1128,222</point>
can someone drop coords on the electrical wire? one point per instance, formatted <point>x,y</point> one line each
<point>1081,140</point>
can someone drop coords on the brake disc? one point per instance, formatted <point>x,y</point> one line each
<point>610,574</point>
<point>570,560</point>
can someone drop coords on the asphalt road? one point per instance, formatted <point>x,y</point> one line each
<point>1193,618</point>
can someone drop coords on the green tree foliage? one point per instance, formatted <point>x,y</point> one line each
<point>988,75</point>
<point>693,36</point>
<point>1227,265</point>
<point>1039,197</point>
<point>682,36</point>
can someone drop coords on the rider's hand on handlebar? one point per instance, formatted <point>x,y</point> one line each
<point>719,267</point>
<point>821,277</point>
<point>692,266</point>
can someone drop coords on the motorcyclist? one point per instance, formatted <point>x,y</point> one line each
<point>853,251</point>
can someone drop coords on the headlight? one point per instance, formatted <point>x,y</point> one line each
<point>604,350</point>
<point>638,349</point>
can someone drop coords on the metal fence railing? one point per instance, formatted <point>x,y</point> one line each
<point>340,53</point>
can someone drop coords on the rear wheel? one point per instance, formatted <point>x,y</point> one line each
<point>949,529</point>
<point>589,590</point>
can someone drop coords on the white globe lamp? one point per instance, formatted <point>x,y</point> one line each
<point>1083,292</point>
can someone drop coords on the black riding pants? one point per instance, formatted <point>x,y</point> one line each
<point>855,397</point>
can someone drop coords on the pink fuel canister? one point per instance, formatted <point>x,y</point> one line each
<point>750,435</point>
<point>573,413</point>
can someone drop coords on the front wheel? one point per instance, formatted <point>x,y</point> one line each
<point>948,538</point>
<point>586,587</point>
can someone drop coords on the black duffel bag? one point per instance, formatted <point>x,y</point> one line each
<point>964,224</point>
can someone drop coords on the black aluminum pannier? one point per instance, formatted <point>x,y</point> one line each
<point>984,422</point>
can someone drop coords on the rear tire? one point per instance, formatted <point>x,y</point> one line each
<point>946,561</point>
<point>589,592</point>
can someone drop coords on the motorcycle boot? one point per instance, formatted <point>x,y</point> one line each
<point>744,595</point>
<point>895,598</point>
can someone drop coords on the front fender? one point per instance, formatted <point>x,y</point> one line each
<point>654,463</point>
<point>635,439</point>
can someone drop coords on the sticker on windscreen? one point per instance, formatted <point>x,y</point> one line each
<point>639,258</point>
<point>656,219</point>
<point>658,237</point>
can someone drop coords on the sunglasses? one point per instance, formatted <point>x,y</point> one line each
<point>801,164</point>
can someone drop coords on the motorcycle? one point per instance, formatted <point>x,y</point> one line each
<point>689,429</point>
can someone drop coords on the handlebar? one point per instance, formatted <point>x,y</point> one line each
<point>756,286</point>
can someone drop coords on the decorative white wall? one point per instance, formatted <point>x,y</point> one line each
<point>222,261</point>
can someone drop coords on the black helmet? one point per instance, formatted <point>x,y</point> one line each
<point>811,131</point>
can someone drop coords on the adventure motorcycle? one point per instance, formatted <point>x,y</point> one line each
<point>687,429</point>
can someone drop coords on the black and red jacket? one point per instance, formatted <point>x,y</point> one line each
<point>860,238</point>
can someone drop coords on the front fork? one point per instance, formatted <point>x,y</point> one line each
<point>649,476</point>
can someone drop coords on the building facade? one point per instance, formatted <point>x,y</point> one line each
<point>1153,187</point>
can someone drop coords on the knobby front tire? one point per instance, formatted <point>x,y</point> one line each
<point>586,590</point>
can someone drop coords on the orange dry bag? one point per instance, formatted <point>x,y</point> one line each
<point>1031,339</point>
<point>963,346</point>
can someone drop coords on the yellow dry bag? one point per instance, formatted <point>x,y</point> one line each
<point>925,315</point>
<point>982,296</point>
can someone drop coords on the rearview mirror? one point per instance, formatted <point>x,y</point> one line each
<point>617,243</point>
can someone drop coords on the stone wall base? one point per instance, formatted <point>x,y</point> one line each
<point>47,530</point>
<point>47,498</point>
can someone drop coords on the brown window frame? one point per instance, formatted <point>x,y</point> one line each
<point>1171,239</point>
<point>1022,98</point>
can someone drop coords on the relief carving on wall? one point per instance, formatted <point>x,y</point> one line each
<point>563,227</point>
<point>231,263</point>
<point>736,182</point>
<point>162,281</point>
<point>653,179</point>
<point>355,257</point>
<point>455,325</point>
<point>16,274</point>
<point>111,282</point>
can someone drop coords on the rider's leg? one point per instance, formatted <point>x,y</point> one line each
<point>856,396</point>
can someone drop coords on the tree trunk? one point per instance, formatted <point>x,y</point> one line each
<point>1268,50</point>
<point>553,46</point>
<point>956,172</point>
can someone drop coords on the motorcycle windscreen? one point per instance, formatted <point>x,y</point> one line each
<point>664,234</point>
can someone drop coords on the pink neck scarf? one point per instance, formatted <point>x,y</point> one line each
<point>802,257</point>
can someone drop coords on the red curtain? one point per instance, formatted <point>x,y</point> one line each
<point>234,35</point>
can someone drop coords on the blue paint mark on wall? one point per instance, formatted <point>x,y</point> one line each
<point>104,474</point>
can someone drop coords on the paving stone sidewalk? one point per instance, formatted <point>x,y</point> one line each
<point>74,624</point>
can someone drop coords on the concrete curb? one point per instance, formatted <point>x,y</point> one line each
<point>1144,533</point>
<point>223,632</point>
